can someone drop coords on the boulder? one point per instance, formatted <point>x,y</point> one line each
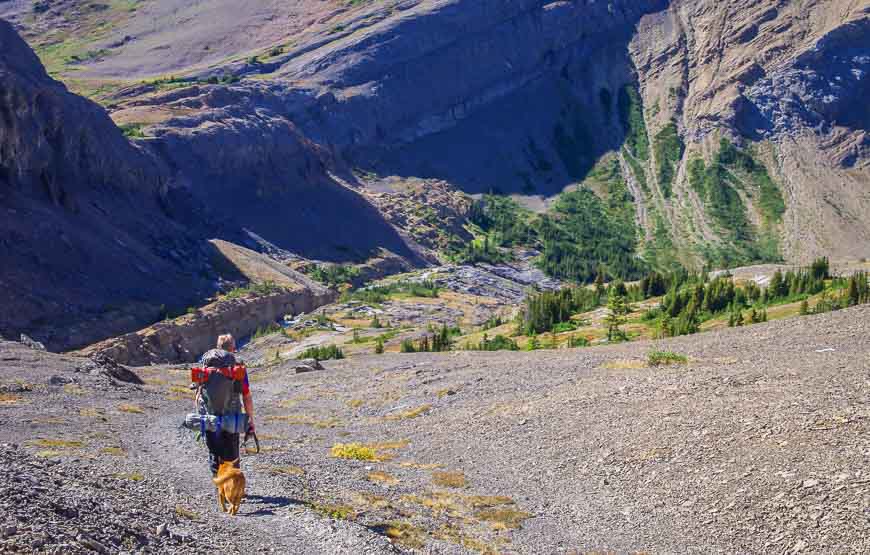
<point>32,343</point>
<point>307,365</point>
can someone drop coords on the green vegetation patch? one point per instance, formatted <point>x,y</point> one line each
<point>497,343</point>
<point>258,289</point>
<point>661,358</point>
<point>668,148</point>
<point>637,169</point>
<point>506,222</point>
<point>327,352</point>
<point>633,124</point>
<point>380,293</point>
<point>717,186</point>
<point>583,233</point>
<point>334,274</point>
<point>134,130</point>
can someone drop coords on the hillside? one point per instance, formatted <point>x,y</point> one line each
<point>756,444</point>
<point>740,129</point>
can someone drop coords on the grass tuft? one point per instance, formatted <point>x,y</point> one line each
<point>413,413</point>
<point>288,470</point>
<point>383,478</point>
<point>661,358</point>
<point>58,443</point>
<point>354,451</point>
<point>403,533</point>
<point>336,512</point>
<point>449,479</point>
<point>132,409</point>
<point>185,513</point>
<point>503,518</point>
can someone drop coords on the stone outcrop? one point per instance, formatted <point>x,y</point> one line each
<point>185,338</point>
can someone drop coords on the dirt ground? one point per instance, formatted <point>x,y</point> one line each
<point>759,444</point>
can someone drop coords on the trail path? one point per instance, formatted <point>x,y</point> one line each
<point>759,444</point>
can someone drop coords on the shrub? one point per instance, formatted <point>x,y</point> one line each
<point>578,341</point>
<point>544,311</point>
<point>133,130</point>
<point>497,343</point>
<point>334,274</point>
<point>407,346</point>
<point>269,329</point>
<point>328,352</point>
<point>668,152</point>
<point>354,451</point>
<point>633,124</point>
<point>260,289</point>
<point>379,346</point>
<point>660,358</point>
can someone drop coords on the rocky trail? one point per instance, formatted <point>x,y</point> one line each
<point>758,444</point>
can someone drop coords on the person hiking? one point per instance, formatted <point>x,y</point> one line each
<point>222,380</point>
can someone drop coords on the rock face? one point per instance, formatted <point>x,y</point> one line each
<point>91,228</point>
<point>184,339</point>
<point>790,77</point>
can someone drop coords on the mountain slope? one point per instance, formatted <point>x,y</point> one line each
<point>739,128</point>
<point>93,227</point>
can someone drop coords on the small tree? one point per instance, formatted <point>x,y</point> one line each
<point>379,346</point>
<point>617,310</point>
<point>805,308</point>
<point>376,323</point>
<point>408,346</point>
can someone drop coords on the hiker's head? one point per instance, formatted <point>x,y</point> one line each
<point>227,343</point>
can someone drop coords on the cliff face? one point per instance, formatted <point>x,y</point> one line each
<point>90,226</point>
<point>789,77</point>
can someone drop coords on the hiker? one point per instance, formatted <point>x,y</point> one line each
<point>222,380</point>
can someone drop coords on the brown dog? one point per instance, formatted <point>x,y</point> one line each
<point>230,484</point>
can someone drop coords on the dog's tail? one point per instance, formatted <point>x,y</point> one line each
<point>227,476</point>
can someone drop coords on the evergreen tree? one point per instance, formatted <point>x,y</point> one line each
<point>379,346</point>
<point>617,310</point>
<point>805,308</point>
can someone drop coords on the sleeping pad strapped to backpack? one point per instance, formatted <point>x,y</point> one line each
<point>221,382</point>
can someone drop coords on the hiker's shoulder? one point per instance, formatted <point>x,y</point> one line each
<point>218,358</point>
